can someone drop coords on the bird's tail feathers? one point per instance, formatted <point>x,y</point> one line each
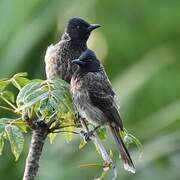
<point>128,163</point>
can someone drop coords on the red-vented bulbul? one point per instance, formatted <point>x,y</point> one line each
<point>95,100</point>
<point>73,42</point>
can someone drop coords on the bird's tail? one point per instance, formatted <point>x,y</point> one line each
<point>128,163</point>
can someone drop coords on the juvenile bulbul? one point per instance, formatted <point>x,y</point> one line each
<point>96,101</point>
<point>73,42</point>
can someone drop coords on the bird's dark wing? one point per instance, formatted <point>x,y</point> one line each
<point>103,97</point>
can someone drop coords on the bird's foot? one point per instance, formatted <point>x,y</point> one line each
<point>87,135</point>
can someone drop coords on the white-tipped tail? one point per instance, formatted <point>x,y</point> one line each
<point>129,168</point>
<point>128,163</point>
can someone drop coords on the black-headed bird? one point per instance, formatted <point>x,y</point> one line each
<point>96,101</point>
<point>73,42</point>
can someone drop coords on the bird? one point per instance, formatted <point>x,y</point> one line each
<point>96,101</point>
<point>58,57</point>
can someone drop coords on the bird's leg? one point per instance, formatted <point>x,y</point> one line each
<point>88,134</point>
<point>84,125</point>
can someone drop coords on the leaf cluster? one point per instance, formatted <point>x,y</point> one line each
<point>37,100</point>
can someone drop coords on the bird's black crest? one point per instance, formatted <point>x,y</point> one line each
<point>88,62</point>
<point>88,54</point>
<point>79,30</point>
<point>77,21</point>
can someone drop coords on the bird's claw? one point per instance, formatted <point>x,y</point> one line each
<point>87,135</point>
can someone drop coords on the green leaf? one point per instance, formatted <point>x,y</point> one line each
<point>60,100</point>
<point>129,138</point>
<point>21,125</point>
<point>8,95</point>
<point>33,101</point>
<point>35,97</point>
<point>25,91</point>
<point>16,140</point>
<point>21,81</point>
<point>21,74</point>
<point>101,132</point>
<point>59,82</point>
<point>52,137</point>
<point>138,144</point>
<point>4,121</point>
<point>69,134</point>
<point>46,98</point>
<point>6,109</point>
<point>82,144</point>
<point>45,109</point>
<point>3,84</point>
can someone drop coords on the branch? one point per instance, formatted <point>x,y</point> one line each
<point>32,162</point>
<point>104,154</point>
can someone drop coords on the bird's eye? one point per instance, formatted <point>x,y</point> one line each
<point>78,27</point>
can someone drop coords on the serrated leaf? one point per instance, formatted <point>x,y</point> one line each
<point>8,95</point>
<point>47,98</point>
<point>16,140</point>
<point>3,84</point>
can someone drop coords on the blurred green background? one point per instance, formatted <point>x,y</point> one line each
<point>139,45</point>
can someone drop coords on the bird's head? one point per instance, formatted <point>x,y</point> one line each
<point>88,62</point>
<point>79,30</point>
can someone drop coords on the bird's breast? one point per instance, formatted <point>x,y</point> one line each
<point>84,105</point>
<point>75,85</point>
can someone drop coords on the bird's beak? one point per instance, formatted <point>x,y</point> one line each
<point>77,61</point>
<point>93,26</point>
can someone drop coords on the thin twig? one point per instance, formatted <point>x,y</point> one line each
<point>104,154</point>
<point>62,127</point>
<point>61,131</point>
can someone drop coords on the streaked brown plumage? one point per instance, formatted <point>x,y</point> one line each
<point>95,100</point>
<point>73,42</point>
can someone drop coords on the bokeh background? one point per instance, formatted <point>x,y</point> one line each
<point>139,44</point>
